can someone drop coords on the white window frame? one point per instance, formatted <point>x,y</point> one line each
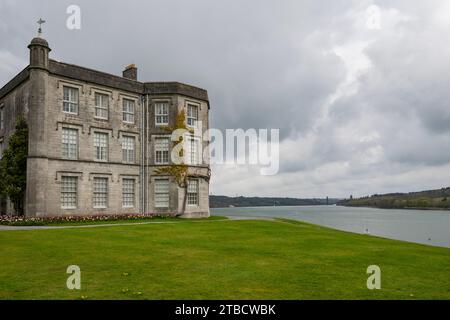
<point>128,110</point>
<point>162,150</point>
<point>70,142</point>
<point>193,195</point>
<point>128,149</point>
<point>72,100</point>
<point>128,193</point>
<point>100,106</point>
<point>97,193</point>
<point>99,148</point>
<point>191,120</point>
<point>192,156</point>
<point>162,114</point>
<point>64,179</point>
<point>159,193</point>
<point>2,117</point>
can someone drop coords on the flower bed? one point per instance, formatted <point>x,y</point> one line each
<point>36,221</point>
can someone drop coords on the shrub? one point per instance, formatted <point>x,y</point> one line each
<point>13,166</point>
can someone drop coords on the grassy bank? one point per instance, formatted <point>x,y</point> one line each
<point>217,260</point>
<point>426,200</point>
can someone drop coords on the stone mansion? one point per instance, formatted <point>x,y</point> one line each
<point>96,140</point>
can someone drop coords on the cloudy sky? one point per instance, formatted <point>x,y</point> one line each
<point>360,90</point>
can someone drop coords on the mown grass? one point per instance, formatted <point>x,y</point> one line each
<point>279,259</point>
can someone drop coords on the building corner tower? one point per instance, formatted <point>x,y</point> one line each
<point>37,163</point>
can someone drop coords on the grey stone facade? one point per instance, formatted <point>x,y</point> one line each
<point>37,93</point>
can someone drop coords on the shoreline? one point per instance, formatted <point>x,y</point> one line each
<point>281,206</point>
<point>397,208</point>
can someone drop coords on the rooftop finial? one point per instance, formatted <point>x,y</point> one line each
<point>40,22</point>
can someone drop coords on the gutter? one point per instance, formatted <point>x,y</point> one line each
<point>142,197</point>
<point>147,132</point>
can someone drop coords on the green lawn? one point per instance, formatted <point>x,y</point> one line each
<point>217,260</point>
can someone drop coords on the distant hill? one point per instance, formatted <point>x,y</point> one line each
<point>224,201</point>
<point>428,199</point>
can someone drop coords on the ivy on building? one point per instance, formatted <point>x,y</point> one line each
<point>180,172</point>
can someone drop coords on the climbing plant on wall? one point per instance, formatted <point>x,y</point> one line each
<point>180,172</point>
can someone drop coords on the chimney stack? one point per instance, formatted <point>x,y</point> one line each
<point>130,72</point>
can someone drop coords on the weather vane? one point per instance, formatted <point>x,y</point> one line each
<point>40,23</point>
